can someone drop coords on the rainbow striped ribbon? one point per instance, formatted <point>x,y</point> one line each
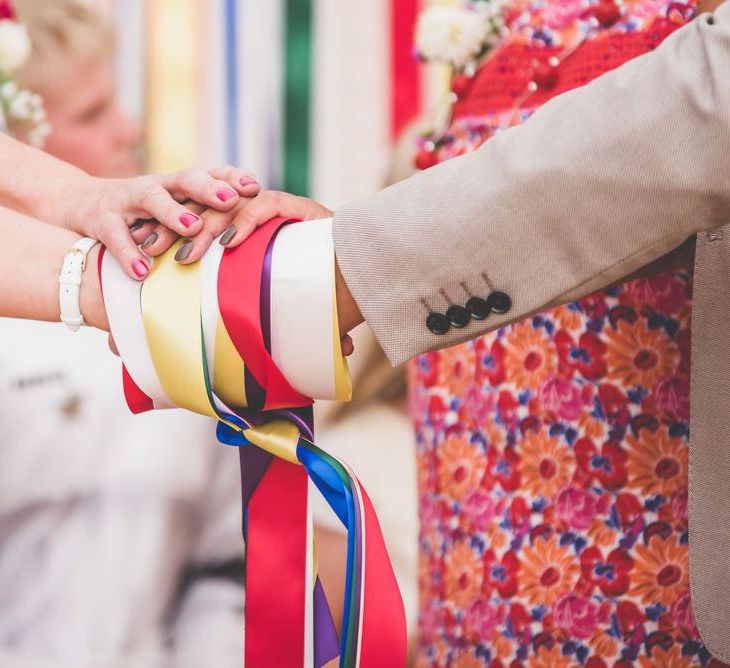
<point>208,337</point>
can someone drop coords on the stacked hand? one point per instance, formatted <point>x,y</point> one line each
<point>232,226</point>
<point>120,212</point>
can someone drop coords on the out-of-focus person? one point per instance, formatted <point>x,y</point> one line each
<point>120,539</point>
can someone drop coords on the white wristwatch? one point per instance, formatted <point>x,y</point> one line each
<point>69,282</point>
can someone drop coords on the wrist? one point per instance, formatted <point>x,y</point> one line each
<point>348,312</point>
<point>80,196</point>
<point>91,300</point>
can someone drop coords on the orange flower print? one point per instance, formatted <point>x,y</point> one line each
<point>463,576</point>
<point>456,369</point>
<point>565,318</point>
<point>549,570</point>
<point>465,658</point>
<point>531,357</point>
<point>637,355</point>
<point>546,464</point>
<point>671,658</point>
<point>502,647</point>
<point>592,427</point>
<point>657,463</point>
<point>549,658</point>
<point>660,571</point>
<point>601,534</point>
<point>461,466</point>
<point>603,645</point>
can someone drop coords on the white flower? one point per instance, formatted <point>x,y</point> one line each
<point>8,90</point>
<point>22,106</point>
<point>37,135</point>
<point>455,35</point>
<point>14,45</point>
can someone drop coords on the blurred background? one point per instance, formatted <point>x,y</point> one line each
<point>120,541</point>
<point>310,94</point>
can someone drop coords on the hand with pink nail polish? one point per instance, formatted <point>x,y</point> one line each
<point>49,189</point>
<point>106,209</point>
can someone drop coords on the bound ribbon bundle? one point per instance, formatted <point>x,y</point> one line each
<point>233,338</point>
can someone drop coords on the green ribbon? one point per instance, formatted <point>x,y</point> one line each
<point>297,97</point>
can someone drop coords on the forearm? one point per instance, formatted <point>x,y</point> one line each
<point>598,183</point>
<point>34,182</point>
<point>31,257</point>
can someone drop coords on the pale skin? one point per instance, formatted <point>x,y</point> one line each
<point>43,187</point>
<point>33,291</point>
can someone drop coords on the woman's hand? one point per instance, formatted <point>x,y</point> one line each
<point>120,212</point>
<point>232,226</point>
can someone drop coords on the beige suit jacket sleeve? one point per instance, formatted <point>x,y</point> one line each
<point>596,184</point>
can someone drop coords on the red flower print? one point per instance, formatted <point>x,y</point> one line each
<point>595,306</point>
<point>519,512</point>
<point>480,508</point>
<point>437,409</point>
<point>683,615</point>
<point>613,400</point>
<point>611,575</point>
<point>608,466</point>
<point>508,407</point>
<point>477,408</point>
<point>481,621</point>
<point>664,293</point>
<point>586,357</point>
<point>630,619</point>
<point>502,465</point>
<point>576,507</point>
<point>576,615</point>
<point>564,399</point>
<point>427,369</point>
<point>490,360</point>
<point>519,618</point>
<point>629,509</point>
<point>500,575</point>
<point>671,394</point>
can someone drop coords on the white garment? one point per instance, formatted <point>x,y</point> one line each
<point>379,445</point>
<point>103,514</point>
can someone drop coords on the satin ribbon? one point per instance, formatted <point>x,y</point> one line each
<point>204,337</point>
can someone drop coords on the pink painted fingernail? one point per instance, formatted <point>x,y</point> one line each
<point>248,181</point>
<point>224,194</point>
<point>188,219</point>
<point>140,268</point>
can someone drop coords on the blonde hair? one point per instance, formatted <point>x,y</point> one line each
<point>62,28</point>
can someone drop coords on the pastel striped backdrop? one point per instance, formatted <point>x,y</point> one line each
<point>310,94</point>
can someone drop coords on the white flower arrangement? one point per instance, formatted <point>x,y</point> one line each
<point>20,110</point>
<point>460,35</point>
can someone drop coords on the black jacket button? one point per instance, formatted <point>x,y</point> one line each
<point>458,316</point>
<point>438,323</point>
<point>499,302</point>
<point>478,308</point>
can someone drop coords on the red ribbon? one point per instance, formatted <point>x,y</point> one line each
<point>404,78</point>
<point>276,562</point>
<point>239,299</point>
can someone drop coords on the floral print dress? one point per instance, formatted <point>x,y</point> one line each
<point>552,459</point>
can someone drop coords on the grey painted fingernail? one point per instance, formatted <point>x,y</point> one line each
<point>228,235</point>
<point>184,251</point>
<point>137,226</point>
<point>149,240</point>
